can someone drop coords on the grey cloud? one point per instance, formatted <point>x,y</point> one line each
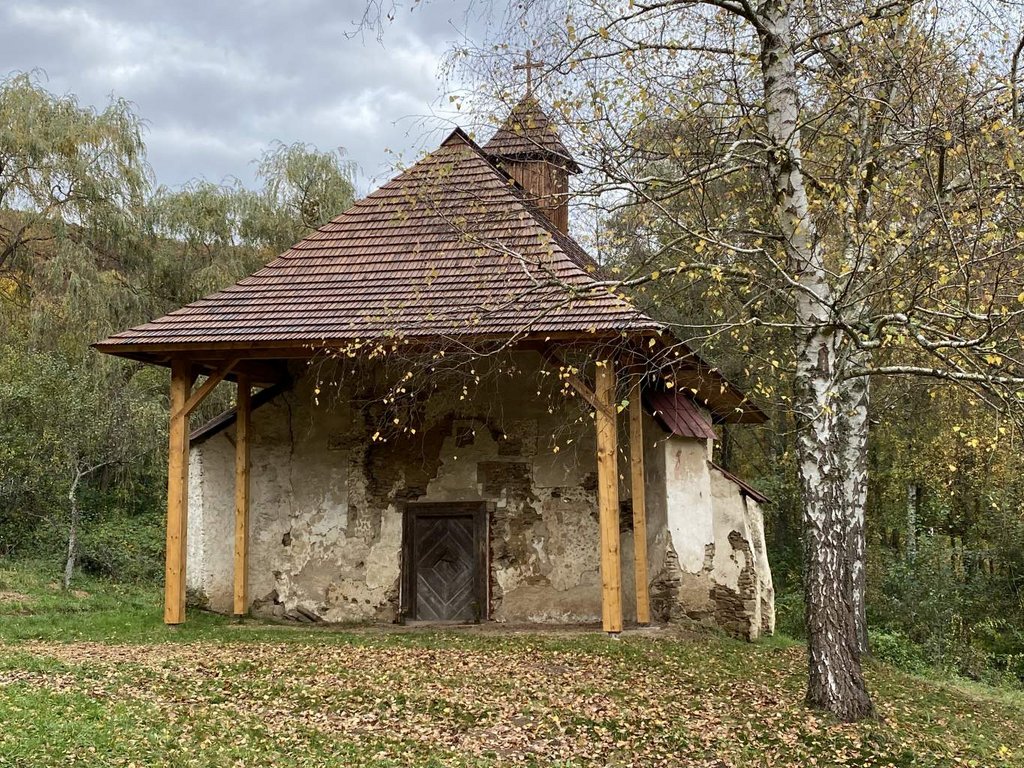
<point>219,81</point>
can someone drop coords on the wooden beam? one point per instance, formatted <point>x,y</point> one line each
<point>242,440</point>
<point>608,496</point>
<point>636,466</point>
<point>574,380</point>
<point>177,494</point>
<point>208,386</point>
<point>306,348</point>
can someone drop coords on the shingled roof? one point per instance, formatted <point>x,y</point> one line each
<point>527,134</point>
<point>450,247</point>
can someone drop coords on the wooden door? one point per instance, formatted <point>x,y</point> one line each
<point>445,562</point>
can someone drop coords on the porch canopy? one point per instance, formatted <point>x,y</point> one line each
<point>452,249</point>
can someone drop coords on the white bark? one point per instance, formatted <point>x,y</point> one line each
<point>835,680</point>
<point>75,515</point>
<point>857,393</point>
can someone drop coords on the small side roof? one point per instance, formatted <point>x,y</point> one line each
<point>745,488</point>
<point>678,414</point>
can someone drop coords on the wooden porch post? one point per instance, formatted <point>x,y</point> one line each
<point>608,496</point>
<point>177,493</point>
<point>636,462</point>
<point>241,606</point>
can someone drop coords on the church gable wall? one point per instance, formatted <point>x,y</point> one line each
<point>326,514</point>
<point>327,510</point>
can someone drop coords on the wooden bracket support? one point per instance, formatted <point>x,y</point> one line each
<point>208,386</point>
<point>575,381</point>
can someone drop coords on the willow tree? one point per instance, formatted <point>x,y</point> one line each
<point>839,184</point>
<point>87,247</point>
<point>66,172</point>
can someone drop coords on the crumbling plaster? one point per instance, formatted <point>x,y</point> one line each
<point>712,564</point>
<point>326,506</point>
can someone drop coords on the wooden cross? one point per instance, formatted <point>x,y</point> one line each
<point>529,66</point>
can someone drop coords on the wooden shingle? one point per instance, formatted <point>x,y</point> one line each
<point>450,247</point>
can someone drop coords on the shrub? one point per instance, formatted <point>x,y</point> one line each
<point>123,547</point>
<point>897,649</point>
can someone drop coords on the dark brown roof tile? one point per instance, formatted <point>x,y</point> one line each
<point>449,247</point>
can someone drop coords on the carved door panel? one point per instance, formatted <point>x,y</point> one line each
<point>445,558</point>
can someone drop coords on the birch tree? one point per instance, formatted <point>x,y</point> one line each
<point>837,183</point>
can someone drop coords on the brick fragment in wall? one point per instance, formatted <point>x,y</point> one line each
<point>731,610</point>
<point>664,590</point>
<point>512,478</point>
<point>500,558</point>
<point>507,447</point>
<point>396,469</point>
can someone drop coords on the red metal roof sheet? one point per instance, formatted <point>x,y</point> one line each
<point>451,246</point>
<point>679,415</point>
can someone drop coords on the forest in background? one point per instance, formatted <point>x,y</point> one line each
<point>90,244</point>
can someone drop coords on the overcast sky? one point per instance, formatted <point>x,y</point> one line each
<point>217,81</point>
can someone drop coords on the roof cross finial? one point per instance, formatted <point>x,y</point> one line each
<point>529,66</point>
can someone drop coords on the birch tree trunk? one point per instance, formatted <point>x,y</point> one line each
<point>75,515</point>
<point>835,679</point>
<point>857,395</point>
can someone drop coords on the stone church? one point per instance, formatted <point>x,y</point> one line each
<point>447,413</point>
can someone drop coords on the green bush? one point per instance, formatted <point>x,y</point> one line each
<point>961,617</point>
<point>123,547</point>
<point>789,612</point>
<point>897,649</point>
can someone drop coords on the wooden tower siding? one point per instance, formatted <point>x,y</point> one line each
<point>548,187</point>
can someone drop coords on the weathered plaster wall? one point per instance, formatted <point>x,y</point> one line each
<point>712,565</point>
<point>326,518</point>
<point>326,521</point>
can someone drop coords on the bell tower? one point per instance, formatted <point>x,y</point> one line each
<point>529,149</point>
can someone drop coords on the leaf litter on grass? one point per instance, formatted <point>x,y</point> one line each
<point>523,701</point>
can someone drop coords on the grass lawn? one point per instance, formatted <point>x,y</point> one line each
<point>92,678</point>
